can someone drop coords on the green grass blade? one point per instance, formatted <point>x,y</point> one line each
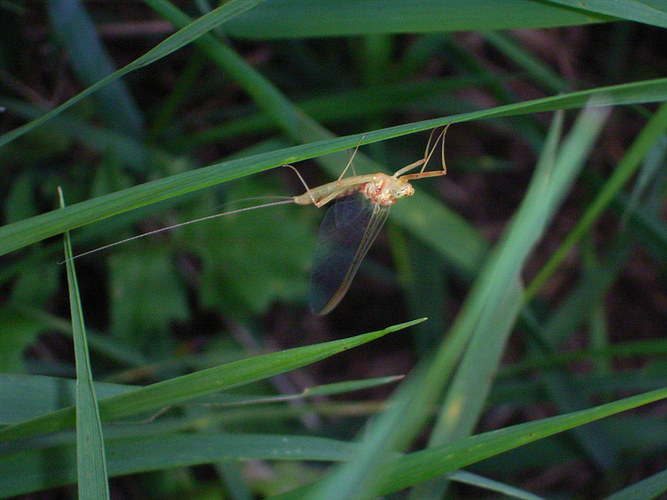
<point>128,456</point>
<point>30,396</point>
<point>349,386</point>
<point>142,454</point>
<point>318,18</point>
<point>179,39</point>
<point>433,462</point>
<point>91,463</point>
<point>22,233</point>
<point>461,476</point>
<point>415,468</point>
<point>171,392</point>
<point>472,382</point>
<point>646,489</point>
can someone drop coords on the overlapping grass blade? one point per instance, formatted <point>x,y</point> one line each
<point>143,454</point>
<point>423,465</point>
<point>132,455</point>
<point>494,296</point>
<point>171,392</point>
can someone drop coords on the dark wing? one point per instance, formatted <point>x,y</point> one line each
<point>348,230</point>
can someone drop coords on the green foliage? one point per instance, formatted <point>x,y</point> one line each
<point>524,258</point>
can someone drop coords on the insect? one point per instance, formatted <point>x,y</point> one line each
<point>349,227</point>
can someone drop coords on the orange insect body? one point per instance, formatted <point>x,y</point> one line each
<point>379,189</point>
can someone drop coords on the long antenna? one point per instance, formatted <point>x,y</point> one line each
<point>181,224</point>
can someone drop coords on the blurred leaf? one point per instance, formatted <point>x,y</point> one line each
<point>256,258</point>
<point>20,202</point>
<point>76,31</point>
<point>174,42</point>
<point>33,284</point>
<point>17,333</point>
<point>146,296</point>
<point>29,396</point>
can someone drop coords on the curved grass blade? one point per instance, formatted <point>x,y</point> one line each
<point>347,232</point>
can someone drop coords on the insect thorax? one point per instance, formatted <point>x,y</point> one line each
<point>386,190</point>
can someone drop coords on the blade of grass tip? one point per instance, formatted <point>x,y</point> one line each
<point>174,42</point>
<point>91,462</point>
<point>631,161</point>
<point>198,384</point>
<point>506,490</point>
